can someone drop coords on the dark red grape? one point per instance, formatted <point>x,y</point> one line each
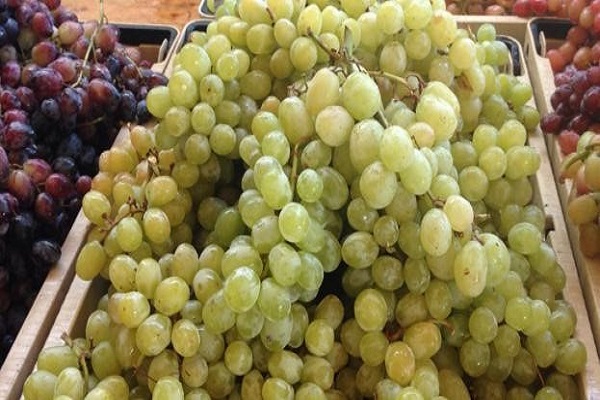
<point>80,46</point>
<point>4,166</point>
<point>45,207</point>
<point>560,95</point>
<point>44,52</point>
<point>59,186</point>
<point>580,82</point>
<point>106,38</point>
<point>42,24</point>
<point>17,135</point>
<point>10,74</point>
<point>27,98</point>
<point>46,82</point>
<point>21,186</point>
<point>24,14</point>
<point>590,104</point>
<point>522,8</point>
<point>83,184</point>
<point>127,106</point>
<point>67,67</point>
<point>579,123</point>
<point>551,123</point>
<point>15,115</point>
<point>52,4</point>
<point>37,169</point>
<point>65,166</point>
<point>103,93</point>
<point>539,7</point>
<point>22,228</point>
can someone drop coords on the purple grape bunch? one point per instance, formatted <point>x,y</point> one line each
<point>66,88</point>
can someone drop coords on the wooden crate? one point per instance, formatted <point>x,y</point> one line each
<point>543,84</point>
<point>156,43</point>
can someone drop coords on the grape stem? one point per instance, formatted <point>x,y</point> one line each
<point>134,208</point>
<point>294,173</point>
<point>102,19</point>
<point>82,355</point>
<point>578,157</point>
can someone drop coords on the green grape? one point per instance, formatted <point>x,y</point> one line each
<point>524,238</point>
<point>474,357</point>
<point>251,386</point>
<point>436,232</point>
<point>470,269</point>
<point>218,317</point>
<point>96,207</point>
<point>400,362</point>
<point>153,335</point>
<point>220,381</point>
<point>462,53</point>
<point>370,310</point>
<point>276,335</point>
<point>238,358</point>
<point>360,96</point>
<point>424,339</point>
<point>212,345</point>
<point>273,300</point>
<point>194,371</point>
<point>182,89</point>
<point>122,270</point>
<point>285,32</point>
<point>277,389</point>
<point>416,275</point>
<point>473,183</point>
<point>104,360</point>
<point>498,259</point>
<point>518,313</point>
<point>359,250</point>
<point>417,177</point>
<point>159,101</point>
<point>378,185</point>
<point>156,224</point>
<point>132,308</point>
<point>97,327</point>
<point>285,365</point>
<point>310,391</point>
<point>319,337</point>
<point>309,185</point>
<point>323,93</point>
<point>168,388</point>
<point>417,44</point>
<point>203,119</point>
<point>185,338</point>
<point>241,289</point>
<point>194,59</point>
<point>483,325</point>
<point>91,260</point>
<point>170,295</point>
<point>69,383</point>
<point>303,53</point>
<point>459,212</point>
<point>438,298</point>
<point>571,358</point>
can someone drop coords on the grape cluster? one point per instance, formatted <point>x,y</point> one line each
<point>65,90</point>
<point>582,168</point>
<point>576,99</point>
<point>335,203</point>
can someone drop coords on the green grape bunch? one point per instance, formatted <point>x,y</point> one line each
<point>335,202</point>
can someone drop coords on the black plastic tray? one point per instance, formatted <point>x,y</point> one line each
<point>149,35</point>
<point>552,28</point>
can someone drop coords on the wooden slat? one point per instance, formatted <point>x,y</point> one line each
<point>588,268</point>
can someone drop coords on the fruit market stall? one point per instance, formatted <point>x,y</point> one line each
<point>321,201</point>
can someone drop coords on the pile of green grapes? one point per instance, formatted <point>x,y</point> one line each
<point>335,203</point>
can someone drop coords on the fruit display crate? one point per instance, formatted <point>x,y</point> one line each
<point>82,296</point>
<point>546,33</point>
<point>156,44</point>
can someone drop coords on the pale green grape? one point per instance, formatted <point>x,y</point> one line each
<point>309,185</point>
<point>438,297</point>
<point>275,144</point>
<point>323,92</point>
<point>91,260</point>
<point>417,44</point>
<point>168,388</point>
<point>241,289</point>
<point>249,324</point>
<point>203,118</point>
<point>498,259</point>
<point>417,177</point>
<point>222,139</point>
<point>360,250</point>
<point>370,310</point>
<point>177,120</point>
<point>470,269</point>
<point>218,317</point>
<point>194,59</point>
<point>436,232</point>
<point>473,183</point>
<point>459,212</point>
<point>153,335</point>
<point>462,53</point>
<point>183,90</point>
<point>360,96</point>
<point>285,365</point>
<point>400,362</point>
<point>276,334</point>
<point>185,338</point>
<point>238,358</point>
<point>524,238</point>
<point>390,17</point>
<point>277,389</point>
<point>170,295</point>
<point>260,39</point>
<point>303,53</point>
<point>273,300</point>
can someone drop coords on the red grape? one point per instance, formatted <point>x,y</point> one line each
<point>567,140</point>
<point>37,169</point>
